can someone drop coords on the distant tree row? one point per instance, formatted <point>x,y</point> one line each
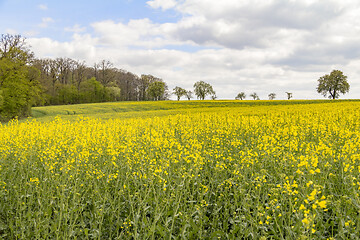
<point>201,90</point>
<point>272,96</point>
<point>329,85</point>
<point>26,81</point>
<point>66,81</point>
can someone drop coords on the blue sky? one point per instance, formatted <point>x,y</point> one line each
<point>26,16</point>
<point>235,45</point>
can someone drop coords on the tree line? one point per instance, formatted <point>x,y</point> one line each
<point>26,81</point>
<point>67,81</point>
<point>255,96</point>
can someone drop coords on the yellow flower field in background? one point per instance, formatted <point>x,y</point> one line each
<point>274,171</point>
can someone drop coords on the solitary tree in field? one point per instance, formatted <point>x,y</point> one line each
<point>202,89</point>
<point>240,96</point>
<point>272,96</point>
<point>289,95</point>
<point>189,95</point>
<point>333,84</point>
<point>179,92</point>
<point>254,96</point>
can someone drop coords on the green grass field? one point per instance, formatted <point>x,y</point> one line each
<point>150,109</point>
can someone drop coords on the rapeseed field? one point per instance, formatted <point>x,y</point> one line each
<point>251,172</point>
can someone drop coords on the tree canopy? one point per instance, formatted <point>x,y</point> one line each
<point>189,94</point>
<point>332,85</point>
<point>272,96</point>
<point>179,92</point>
<point>156,91</point>
<point>19,85</point>
<point>240,96</point>
<point>202,89</point>
<point>289,95</point>
<point>254,96</point>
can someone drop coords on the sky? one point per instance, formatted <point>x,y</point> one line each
<point>260,46</point>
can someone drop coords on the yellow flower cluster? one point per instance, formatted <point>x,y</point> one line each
<point>286,161</point>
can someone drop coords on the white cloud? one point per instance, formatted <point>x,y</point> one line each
<point>43,7</point>
<point>163,4</point>
<point>45,22</point>
<point>31,33</point>
<point>76,29</point>
<point>11,31</point>
<point>263,46</point>
<point>82,47</point>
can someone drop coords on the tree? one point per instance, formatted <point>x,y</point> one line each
<point>156,90</point>
<point>289,95</point>
<point>272,96</point>
<point>79,72</point>
<point>19,82</point>
<point>92,90</point>
<point>104,73</point>
<point>240,96</point>
<point>333,84</point>
<point>202,89</point>
<point>189,94</point>
<point>144,83</point>
<point>64,67</point>
<point>179,92</point>
<point>254,96</point>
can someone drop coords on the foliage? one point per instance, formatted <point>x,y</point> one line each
<point>189,94</point>
<point>66,94</point>
<point>62,80</point>
<point>254,96</point>
<point>156,91</point>
<point>92,91</point>
<point>272,96</point>
<point>114,93</point>
<point>333,84</point>
<point>202,89</point>
<point>19,86</point>
<point>179,92</point>
<point>289,95</point>
<point>240,96</point>
<point>272,172</point>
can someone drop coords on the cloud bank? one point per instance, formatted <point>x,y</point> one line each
<point>252,46</point>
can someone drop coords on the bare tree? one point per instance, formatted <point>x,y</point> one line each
<point>79,72</point>
<point>65,66</point>
<point>54,74</point>
<point>104,72</point>
<point>14,47</point>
